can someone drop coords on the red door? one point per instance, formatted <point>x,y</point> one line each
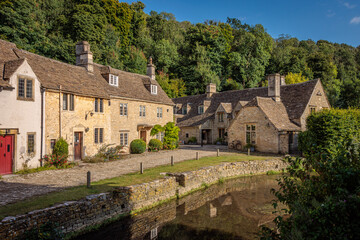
<point>6,152</point>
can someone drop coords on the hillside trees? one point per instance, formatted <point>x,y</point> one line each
<point>232,54</point>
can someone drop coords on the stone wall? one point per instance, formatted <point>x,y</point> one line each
<point>95,209</point>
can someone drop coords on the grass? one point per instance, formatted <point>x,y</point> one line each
<point>45,168</point>
<point>106,185</point>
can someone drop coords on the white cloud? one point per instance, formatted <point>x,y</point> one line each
<point>355,20</point>
<point>348,5</point>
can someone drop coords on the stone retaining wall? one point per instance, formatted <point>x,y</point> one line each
<point>77,215</point>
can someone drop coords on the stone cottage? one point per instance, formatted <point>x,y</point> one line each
<point>87,104</point>
<point>268,117</point>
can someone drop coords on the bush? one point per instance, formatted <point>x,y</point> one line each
<point>192,140</point>
<point>155,145</point>
<point>54,160</point>
<point>109,153</point>
<point>219,140</point>
<point>171,138</point>
<point>137,146</point>
<point>61,148</point>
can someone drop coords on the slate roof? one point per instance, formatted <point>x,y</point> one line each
<point>76,79</point>
<point>294,98</point>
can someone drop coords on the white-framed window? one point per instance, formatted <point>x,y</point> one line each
<point>123,139</point>
<point>201,109</point>
<point>251,134</point>
<point>160,136</point>
<point>98,135</point>
<point>123,109</point>
<point>113,80</point>
<point>142,111</point>
<point>153,89</point>
<point>159,113</point>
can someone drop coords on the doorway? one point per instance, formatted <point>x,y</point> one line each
<point>143,135</point>
<point>6,154</point>
<point>78,142</point>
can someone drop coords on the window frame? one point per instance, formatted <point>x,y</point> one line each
<point>142,112</point>
<point>202,109</point>
<point>98,135</point>
<point>28,142</point>
<point>113,80</point>
<point>124,139</point>
<point>153,89</point>
<point>65,102</point>
<point>221,117</point>
<point>71,102</point>
<point>25,91</point>
<point>250,133</point>
<point>99,105</point>
<point>184,110</point>
<point>123,109</point>
<point>159,112</point>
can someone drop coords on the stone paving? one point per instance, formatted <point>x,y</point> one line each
<point>19,187</point>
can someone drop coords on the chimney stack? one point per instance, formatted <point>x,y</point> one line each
<point>282,80</point>
<point>274,81</point>
<point>210,89</point>
<point>151,69</point>
<point>84,56</point>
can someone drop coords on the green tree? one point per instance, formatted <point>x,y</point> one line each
<point>292,78</point>
<point>171,138</point>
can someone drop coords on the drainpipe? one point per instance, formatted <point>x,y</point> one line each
<point>42,90</point>
<point>59,111</point>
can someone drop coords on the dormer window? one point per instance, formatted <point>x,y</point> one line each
<point>153,89</point>
<point>184,110</point>
<point>201,109</point>
<point>113,80</point>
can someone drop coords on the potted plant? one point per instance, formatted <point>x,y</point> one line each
<point>219,141</point>
<point>250,146</point>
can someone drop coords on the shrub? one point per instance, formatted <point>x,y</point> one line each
<point>54,160</point>
<point>61,148</point>
<point>192,140</point>
<point>156,129</point>
<point>171,138</point>
<point>109,153</point>
<point>155,145</point>
<point>137,146</point>
<point>219,140</point>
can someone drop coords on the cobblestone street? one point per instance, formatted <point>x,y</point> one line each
<point>20,187</point>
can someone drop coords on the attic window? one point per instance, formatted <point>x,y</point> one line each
<point>153,89</point>
<point>113,80</point>
<point>201,109</point>
<point>319,93</point>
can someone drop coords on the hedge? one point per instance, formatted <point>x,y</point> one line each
<point>137,146</point>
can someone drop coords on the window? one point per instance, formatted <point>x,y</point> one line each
<point>52,143</point>
<point>123,139</point>
<point>153,89</point>
<point>222,133</point>
<point>142,111</point>
<point>250,134</point>
<point>201,109</point>
<point>113,80</point>
<point>65,101</point>
<point>123,109</point>
<point>99,135</point>
<point>31,143</point>
<point>221,117</point>
<point>186,135</point>
<point>25,89</point>
<point>312,110</point>
<point>72,102</point>
<point>184,110</point>
<point>99,105</point>
<point>159,112</point>
<point>160,136</point>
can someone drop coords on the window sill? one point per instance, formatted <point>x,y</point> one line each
<point>26,99</point>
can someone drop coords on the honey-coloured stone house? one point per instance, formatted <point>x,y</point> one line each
<point>87,104</point>
<point>270,117</point>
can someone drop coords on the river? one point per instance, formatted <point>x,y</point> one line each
<point>233,209</point>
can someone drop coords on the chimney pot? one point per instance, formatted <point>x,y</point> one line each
<point>84,56</point>
<point>274,81</point>
<point>151,69</point>
<point>210,89</point>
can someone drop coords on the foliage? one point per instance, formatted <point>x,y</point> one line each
<point>292,78</point>
<point>45,168</point>
<point>322,192</point>
<point>61,148</point>
<point>234,55</point>
<point>156,129</point>
<point>109,153</point>
<point>192,140</point>
<point>46,231</point>
<point>219,140</point>
<point>171,138</point>
<point>155,145</point>
<point>138,146</point>
<point>55,160</point>
<point>249,145</point>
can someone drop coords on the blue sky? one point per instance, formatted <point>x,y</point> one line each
<point>332,20</point>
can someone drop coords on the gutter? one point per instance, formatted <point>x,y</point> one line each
<point>59,111</point>
<point>42,90</point>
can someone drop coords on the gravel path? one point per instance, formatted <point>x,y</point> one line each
<point>19,187</point>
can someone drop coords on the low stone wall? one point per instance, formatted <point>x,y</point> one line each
<point>77,215</point>
<point>207,175</point>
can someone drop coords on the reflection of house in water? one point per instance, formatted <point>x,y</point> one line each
<point>231,210</point>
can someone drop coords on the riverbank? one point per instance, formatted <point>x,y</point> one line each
<point>94,209</point>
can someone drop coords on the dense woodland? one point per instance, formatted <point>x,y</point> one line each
<point>232,54</point>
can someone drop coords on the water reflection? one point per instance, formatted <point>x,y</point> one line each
<point>232,210</point>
